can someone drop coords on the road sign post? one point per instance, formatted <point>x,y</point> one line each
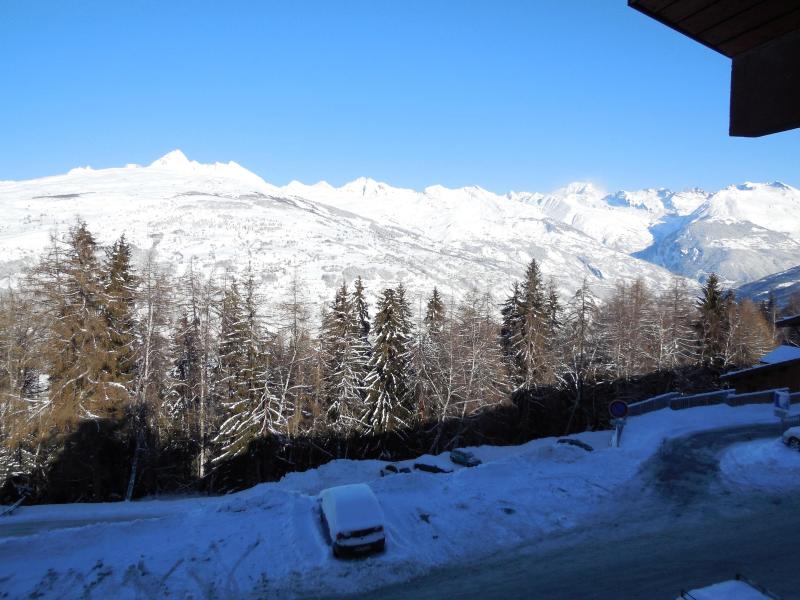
<point>618,409</point>
<point>781,402</point>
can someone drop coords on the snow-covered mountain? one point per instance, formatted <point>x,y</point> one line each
<point>742,233</point>
<point>223,216</point>
<point>782,285</point>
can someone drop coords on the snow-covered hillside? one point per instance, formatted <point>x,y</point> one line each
<point>223,216</point>
<point>782,285</point>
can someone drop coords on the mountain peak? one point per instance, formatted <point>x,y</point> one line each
<point>172,160</point>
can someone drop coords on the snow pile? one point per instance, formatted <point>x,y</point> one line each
<point>268,541</point>
<point>761,464</point>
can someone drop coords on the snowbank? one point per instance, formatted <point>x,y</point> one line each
<point>762,464</point>
<point>267,540</point>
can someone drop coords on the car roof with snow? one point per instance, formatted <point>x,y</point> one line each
<point>727,590</point>
<point>351,508</point>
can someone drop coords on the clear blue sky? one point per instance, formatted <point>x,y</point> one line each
<point>506,94</point>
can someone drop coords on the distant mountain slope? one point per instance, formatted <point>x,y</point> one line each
<point>223,216</point>
<point>783,284</point>
<point>742,233</point>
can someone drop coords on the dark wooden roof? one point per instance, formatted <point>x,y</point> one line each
<point>730,27</point>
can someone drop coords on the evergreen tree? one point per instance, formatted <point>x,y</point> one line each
<point>242,394</point>
<point>712,323</point>
<point>184,399</point>
<point>361,309</point>
<point>344,359</point>
<point>534,344</point>
<point>434,314</point>
<point>388,390</point>
<point>511,328</point>
<point>120,289</point>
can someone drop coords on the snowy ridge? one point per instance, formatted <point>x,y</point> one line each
<point>222,216</point>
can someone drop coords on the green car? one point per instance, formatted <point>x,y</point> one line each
<point>462,457</point>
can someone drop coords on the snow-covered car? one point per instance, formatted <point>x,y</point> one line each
<point>739,589</point>
<point>353,520</point>
<point>791,437</point>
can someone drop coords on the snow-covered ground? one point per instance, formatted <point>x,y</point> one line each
<point>761,464</point>
<point>267,540</point>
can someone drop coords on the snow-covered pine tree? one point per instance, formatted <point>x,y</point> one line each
<point>232,392</point>
<point>344,361</point>
<point>434,314</point>
<point>388,381</point>
<point>361,309</point>
<point>526,331</point>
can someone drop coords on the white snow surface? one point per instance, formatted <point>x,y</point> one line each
<point>351,507</point>
<point>267,541</point>
<point>727,590</point>
<point>223,216</point>
<point>762,465</point>
<point>782,353</point>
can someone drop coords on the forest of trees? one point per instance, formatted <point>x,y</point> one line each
<point>169,380</point>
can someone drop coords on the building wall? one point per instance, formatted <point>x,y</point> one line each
<point>769,378</point>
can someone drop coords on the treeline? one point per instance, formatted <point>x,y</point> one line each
<point>183,377</point>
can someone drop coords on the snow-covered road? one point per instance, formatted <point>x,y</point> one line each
<point>682,524</point>
<point>541,497</point>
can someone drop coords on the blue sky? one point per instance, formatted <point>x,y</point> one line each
<point>523,95</point>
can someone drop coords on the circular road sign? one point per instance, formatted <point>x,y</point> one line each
<point>618,409</point>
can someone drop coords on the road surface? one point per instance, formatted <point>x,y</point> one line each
<point>677,526</point>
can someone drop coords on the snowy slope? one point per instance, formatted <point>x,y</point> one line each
<point>742,233</point>
<point>267,542</point>
<point>222,216</point>
<point>783,285</point>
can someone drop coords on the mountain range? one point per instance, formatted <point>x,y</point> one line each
<point>221,217</point>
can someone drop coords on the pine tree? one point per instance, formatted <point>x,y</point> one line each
<point>120,289</point>
<point>361,309</point>
<point>388,391</point>
<point>344,360</point>
<point>511,329</point>
<point>712,323</point>
<point>534,361</point>
<point>233,393</point>
<point>434,314</point>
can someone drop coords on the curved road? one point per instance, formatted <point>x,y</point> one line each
<point>675,527</point>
